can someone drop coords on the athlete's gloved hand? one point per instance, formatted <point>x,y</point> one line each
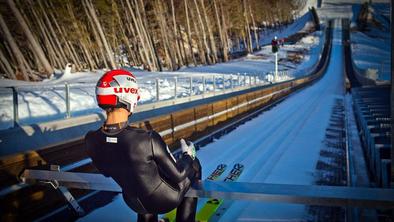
<point>192,150</point>
<point>189,149</point>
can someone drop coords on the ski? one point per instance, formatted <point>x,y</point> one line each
<point>212,205</point>
<point>170,216</point>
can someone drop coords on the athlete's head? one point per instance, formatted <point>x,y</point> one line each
<point>117,89</point>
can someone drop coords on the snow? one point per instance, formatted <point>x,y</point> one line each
<point>309,4</point>
<point>46,101</point>
<point>280,146</point>
<point>374,41</point>
<point>301,23</point>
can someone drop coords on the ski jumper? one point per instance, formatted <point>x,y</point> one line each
<point>140,162</point>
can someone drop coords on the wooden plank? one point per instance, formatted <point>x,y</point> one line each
<point>158,124</point>
<point>184,133</point>
<point>252,96</point>
<point>232,102</point>
<point>183,116</point>
<point>169,139</point>
<point>201,112</point>
<point>217,108</point>
<point>242,99</point>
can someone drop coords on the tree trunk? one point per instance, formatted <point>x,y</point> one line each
<point>85,51</point>
<point>55,38</point>
<point>72,48</point>
<point>143,17</point>
<point>189,34</point>
<point>176,34</point>
<point>200,42</point>
<point>36,47</point>
<point>211,38</point>
<point>168,50</point>
<point>44,33</point>
<point>154,65</point>
<point>6,65</point>
<point>135,52</point>
<point>247,28</point>
<point>61,60</point>
<point>125,40</point>
<point>143,40</point>
<point>226,44</point>
<point>224,53</point>
<point>256,37</point>
<point>14,47</point>
<point>208,50</point>
<point>109,52</point>
<point>182,47</point>
<point>69,53</point>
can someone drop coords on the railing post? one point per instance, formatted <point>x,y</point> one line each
<point>175,87</point>
<point>191,86</point>
<point>238,80</point>
<point>244,79</point>
<point>157,89</point>
<point>67,91</point>
<point>231,82</point>
<point>250,80</point>
<point>214,84</point>
<point>15,104</point>
<point>203,85</point>
<point>224,83</point>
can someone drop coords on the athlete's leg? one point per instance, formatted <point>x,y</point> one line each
<point>147,218</point>
<point>197,168</point>
<point>186,211</point>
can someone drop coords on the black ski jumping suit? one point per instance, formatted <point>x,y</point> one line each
<point>140,162</point>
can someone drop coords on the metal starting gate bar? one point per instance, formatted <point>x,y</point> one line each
<point>282,193</point>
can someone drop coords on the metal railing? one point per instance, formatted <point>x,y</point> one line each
<point>279,193</point>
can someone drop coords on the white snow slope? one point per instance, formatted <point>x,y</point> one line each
<point>280,146</point>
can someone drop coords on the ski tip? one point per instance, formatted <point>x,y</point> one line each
<point>238,166</point>
<point>221,166</point>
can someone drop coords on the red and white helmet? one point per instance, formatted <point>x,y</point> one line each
<point>117,89</point>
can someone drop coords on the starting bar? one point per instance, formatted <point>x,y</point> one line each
<point>282,193</point>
